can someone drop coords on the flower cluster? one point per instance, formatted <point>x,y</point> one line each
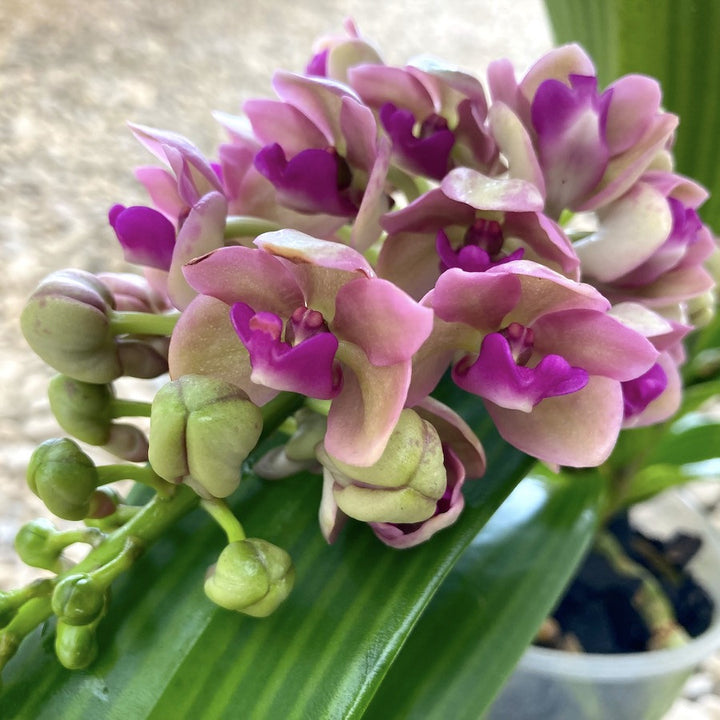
<point>367,233</point>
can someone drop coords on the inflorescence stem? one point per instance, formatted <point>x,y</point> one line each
<point>120,547</point>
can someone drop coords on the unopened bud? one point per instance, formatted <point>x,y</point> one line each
<point>34,544</point>
<point>403,486</point>
<point>251,576</point>
<point>66,322</point>
<point>84,410</point>
<point>78,599</point>
<point>201,432</point>
<point>63,477</point>
<point>75,645</point>
<point>132,292</point>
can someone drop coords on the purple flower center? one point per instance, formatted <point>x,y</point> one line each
<point>500,373</point>
<point>313,181</point>
<point>428,152</point>
<point>304,362</point>
<point>686,223</point>
<point>318,64</point>
<point>480,249</point>
<point>640,392</point>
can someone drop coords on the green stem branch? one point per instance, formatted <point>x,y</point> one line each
<point>650,600</point>
<point>223,516</point>
<point>140,323</point>
<point>247,226</point>
<point>129,408</point>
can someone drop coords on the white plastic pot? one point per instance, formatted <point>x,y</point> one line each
<point>556,685</point>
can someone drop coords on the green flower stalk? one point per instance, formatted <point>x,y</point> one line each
<point>39,543</point>
<point>251,576</point>
<point>201,432</point>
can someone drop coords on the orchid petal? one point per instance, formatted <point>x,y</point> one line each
<point>430,211</point>
<point>300,248</point>
<point>456,433</point>
<point>366,229</point>
<point>570,125</point>
<point>162,188</point>
<point>667,403</point>
<point>202,231</point>
<point>194,174</point>
<point>595,341</point>
<point>364,414</point>
<point>307,368</point>
<point>359,129</point>
<point>557,64</point>
<point>346,56</point>
<point>485,193</point>
<point>480,300</point>
<point>381,319</point>
<point>378,84</point>
<point>331,518</point>
<point>147,237</point>
<point>543,290</point>
<point>274,121</point>
<point>631,229</point>
<point>516,145</point>
<point>410,261</point>
<point>317,98</point>
<point>576,430</point>
<point>204,342</point>
<point>496,377</point>
<point>239,274</point>
<point>635,101</point>
<point>308,182</point>
<point>624,170</point>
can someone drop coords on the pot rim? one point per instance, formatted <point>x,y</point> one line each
<point>629,666</point>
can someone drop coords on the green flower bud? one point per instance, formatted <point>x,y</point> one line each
<point>82,409</point>
<point>66,322</point>
<point>75,645</point>
<point>34,544</point>
<point>403,486</point>
<point>701,309</point>
<point>63,477</point>
<point>251,576</point>
<point>201,432</point>
<point>78,599</point>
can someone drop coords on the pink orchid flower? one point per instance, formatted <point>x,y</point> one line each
<point>543,353</point>
<point>472,222</point>
<point>305,315</point>
<point>582,148</point>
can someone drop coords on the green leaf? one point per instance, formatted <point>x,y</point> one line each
<point>672,41</point>
<point>166,651</point>
<point>693,439</point>
<point>654,479</point>
<point>488,610</point>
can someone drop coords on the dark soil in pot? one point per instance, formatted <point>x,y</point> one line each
<point>599,614</point>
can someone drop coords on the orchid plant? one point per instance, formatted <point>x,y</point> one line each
<point>399,281</point>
